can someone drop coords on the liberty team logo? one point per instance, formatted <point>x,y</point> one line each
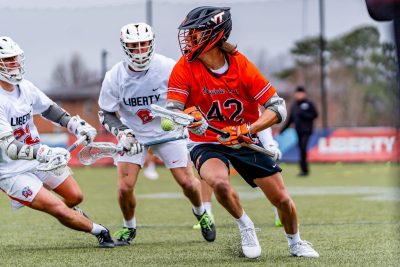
<point>145,115</point>
<point>27,192</point>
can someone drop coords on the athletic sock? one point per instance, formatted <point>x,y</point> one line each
<point>207,206</point>
<point>244,221</point>
<point>198,210</point>
<point>130,223</point>
<point>97,228</point>
<point>293,239</point>
<point>275,212</point>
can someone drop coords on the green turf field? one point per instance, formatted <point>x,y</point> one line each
<point>350,212</point>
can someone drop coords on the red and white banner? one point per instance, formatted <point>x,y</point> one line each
<point>357,144</point>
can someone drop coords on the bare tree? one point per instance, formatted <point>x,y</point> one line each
<point>73,74</point>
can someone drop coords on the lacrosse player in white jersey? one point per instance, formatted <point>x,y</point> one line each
<point>129,89</point>
<point>21,150</point>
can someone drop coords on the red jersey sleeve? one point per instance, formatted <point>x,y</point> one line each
<point>260,88</point>
<point>179,82</point>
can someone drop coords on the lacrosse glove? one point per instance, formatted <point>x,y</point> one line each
<point>199,125</point>
<point>45,153</point>
<point>274,147</point>
<point>237,135</point>
<point>127,141</point>
<point>79,128</point>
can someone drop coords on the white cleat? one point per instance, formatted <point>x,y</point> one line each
<point>250,246</point>
<point>303,249</point>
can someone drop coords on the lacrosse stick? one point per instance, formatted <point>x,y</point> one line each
<point>184,120</point>
<point>99,150</point>
<point>57,163</point>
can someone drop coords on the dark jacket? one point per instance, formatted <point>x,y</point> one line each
<point>302,114</point>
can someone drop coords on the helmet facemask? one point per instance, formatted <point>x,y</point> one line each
<point>12,61</point>
<point>137,41</point>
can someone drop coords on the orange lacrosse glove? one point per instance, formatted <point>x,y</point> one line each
<point>199,125</point>
<point>237,135</point>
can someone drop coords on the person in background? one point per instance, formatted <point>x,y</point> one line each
<point>302,115</point>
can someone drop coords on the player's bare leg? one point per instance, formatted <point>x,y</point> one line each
<point>127,177</point>
<point>274,189</point>
<point>47,202</point>
<point>216,174</point>
<point>191,188</point>
<point>70,191</point>
<point>190,184</point>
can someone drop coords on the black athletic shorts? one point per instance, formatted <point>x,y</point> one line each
<point>248,163</point>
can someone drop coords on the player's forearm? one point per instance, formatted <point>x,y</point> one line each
<point>175,105</point>
<point>266,120</point>
<point>57,115</point>
<point>111,122</point>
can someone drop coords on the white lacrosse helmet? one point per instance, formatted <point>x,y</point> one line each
<point>139,55</point>
<point>11,71</point>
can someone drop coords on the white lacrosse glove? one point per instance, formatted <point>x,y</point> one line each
<point>127,141</point>
<point>199,126</point>
<point>274,146</point>
<point>79,128</point>
<point>45,153</point>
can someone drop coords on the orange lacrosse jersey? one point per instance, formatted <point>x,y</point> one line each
<point>232,98</point>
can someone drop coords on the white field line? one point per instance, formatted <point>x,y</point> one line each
<point>369,193</point>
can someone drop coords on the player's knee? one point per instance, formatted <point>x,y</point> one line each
<point>222,188</point>
<point>190,183</point>
<point>283,203</point>
<point>76,199</point>
<point>124,191</point>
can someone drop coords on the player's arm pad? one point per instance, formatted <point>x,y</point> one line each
<point>57,115</point>
<point>175,105</point>
<point>111,122</point>
<point>16,150</point>
<point>277,105</point>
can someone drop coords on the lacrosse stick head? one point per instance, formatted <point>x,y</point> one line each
<point>56,165</point>
<point>179,119</point>
<point>98,150</point>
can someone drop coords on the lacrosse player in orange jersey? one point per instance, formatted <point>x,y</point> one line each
<point>21,149</point>
<point>216,84</point>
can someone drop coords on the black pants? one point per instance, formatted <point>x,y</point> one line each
<point>303,141</point>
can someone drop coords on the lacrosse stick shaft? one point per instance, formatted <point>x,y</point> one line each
<point>251,146</point>
<point>184,120</point>
<point>165,140</point>
<point>76,143</point>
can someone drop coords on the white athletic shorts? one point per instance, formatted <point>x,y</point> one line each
<point>174,154</point>
<point>22,188</point>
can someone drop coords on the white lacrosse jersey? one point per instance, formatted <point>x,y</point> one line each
<point>16,117</point>
<point>131,94</point>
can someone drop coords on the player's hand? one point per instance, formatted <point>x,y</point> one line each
<point>127,141</point>
<point>46,153</point>
<point>199,126</point>
<point>275,148</point>
<point>237,135</point>
<point>79,128</point>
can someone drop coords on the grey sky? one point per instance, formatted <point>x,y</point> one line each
<point>50,31</point>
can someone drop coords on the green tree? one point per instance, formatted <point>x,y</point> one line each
<point>361,77</point>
